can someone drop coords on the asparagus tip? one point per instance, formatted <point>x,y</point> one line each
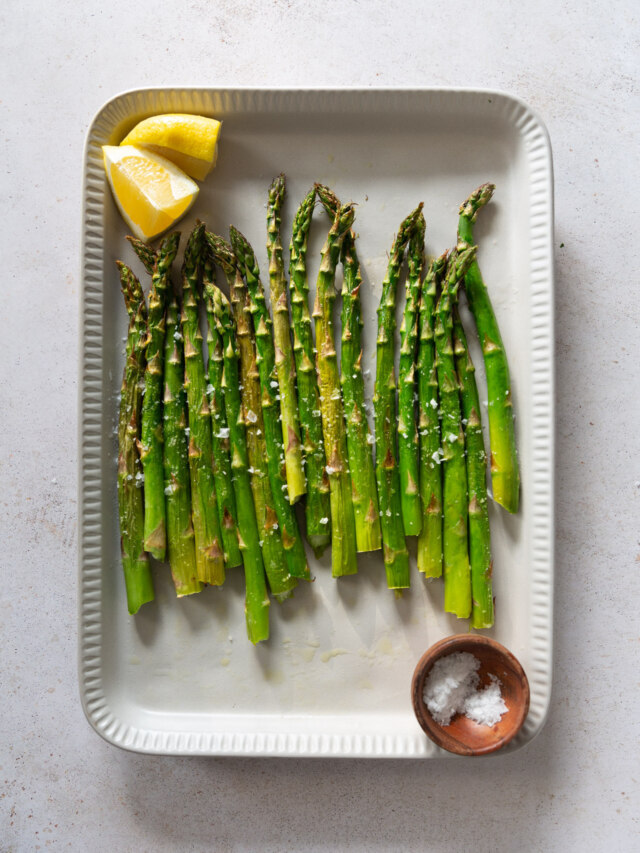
<point>328,199</point>
<point>476,200</point>
<point>221,252</point>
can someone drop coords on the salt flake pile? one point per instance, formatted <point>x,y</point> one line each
<point>452,688</point>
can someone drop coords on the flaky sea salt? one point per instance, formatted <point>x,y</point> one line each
<point>451,680</point>
<point>486,706</point>
<point>452,688</point>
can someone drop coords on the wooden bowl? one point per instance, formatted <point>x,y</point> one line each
<point>464,736</point>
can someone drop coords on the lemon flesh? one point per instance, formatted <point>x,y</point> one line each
<point>151,192</point>
<point>189,141</point>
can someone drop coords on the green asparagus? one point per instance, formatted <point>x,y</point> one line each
<point>135,562</point>
<point>285,368</point>
<point>396,556</point>
<point>155,537</point>
<point>457,584</point>
<point>256,596</point>
<point>180,535</point>
<point>343,532</point>
<point>206,521</point>
<point>359,437</point>
<point>227,511</point>
<point>479,533</point>
<point>145,253</point>
<point>280,580</point>
<point>430,538</point>
<point>505,475</point>
<point>317,507</point>
<point>291,539</point>
<point>408,446</point>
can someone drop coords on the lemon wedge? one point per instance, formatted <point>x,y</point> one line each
<point>151,192</point>
<point>189,141</point>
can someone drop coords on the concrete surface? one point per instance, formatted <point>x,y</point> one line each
<point>576,786</point>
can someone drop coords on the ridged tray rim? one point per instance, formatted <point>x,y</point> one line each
<point>252,743</point>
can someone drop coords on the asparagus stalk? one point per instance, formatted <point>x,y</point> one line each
<point>135,562</point>
<point>256,596</point>
<point>430,538</point>
<point>396,556</point>
<point>505,475</point>
<point>457,584</point>
<point>479,533</point>
<point>208,536</point>
<point>318,508</point>
<point>280,580</point>
<point>285,368</point>
<point>343,533</point>
<point>227,510</point>
<point>180,535</point>
<point>408,446</point>
<point>359,437</point>
<point>151,454</point>
<point>293,545</point>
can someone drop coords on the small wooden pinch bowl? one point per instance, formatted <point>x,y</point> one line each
<point>464,736</point>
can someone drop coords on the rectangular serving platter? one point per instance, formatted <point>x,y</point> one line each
<point>334,679</point>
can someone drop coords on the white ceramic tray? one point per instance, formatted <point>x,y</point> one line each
<point>334,679</point>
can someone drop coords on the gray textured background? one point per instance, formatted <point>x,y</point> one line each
<point>576,785</point>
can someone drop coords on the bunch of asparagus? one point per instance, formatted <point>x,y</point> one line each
<point>217,444</point>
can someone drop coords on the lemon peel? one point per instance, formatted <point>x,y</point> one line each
<point>189,141</point>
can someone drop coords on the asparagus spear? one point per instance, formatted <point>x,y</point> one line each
<point>479,533</point>
<point>317,509</point>
<point>285,368</point>
<point>180,535</point>
<point>396,556</point>
<point>343,533</point>
<point>280,580</point>
<point>293,545</point>
<point>359,437</point>
<point>135,562</point>
<point>505,475</point>
<point>227,511</point>
<point>206,522</point>
<point>408,447</point>
<point>256,596</point>
<point>430,538</point>
<point>155,537</point>
<point>457,585</point>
